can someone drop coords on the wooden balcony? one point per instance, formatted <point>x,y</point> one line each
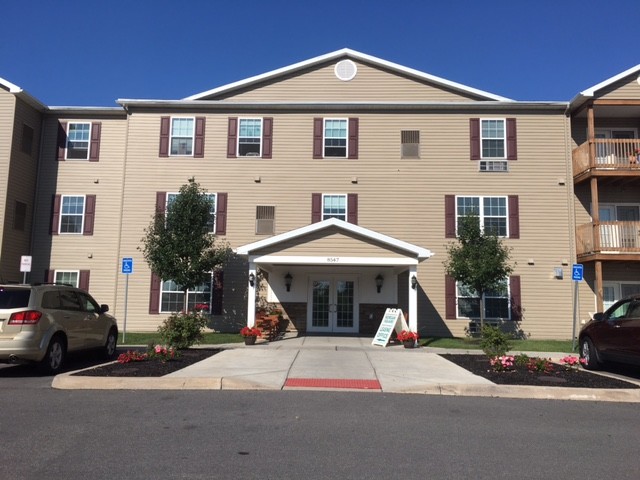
<point>618,241</point>
<point>606,158</point>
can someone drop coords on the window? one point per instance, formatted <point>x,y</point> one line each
<point>493,142</point>
<point>72,214</point>
<point>335,137</point>
<point>496,302</point>
<point>265,220</point>
<point>211,224</point>
<point>78,137</point>
<point>341,206</point>
<point>68,277</point>
<point>19,216</point>
<point>334,206</point>
<point>250,137</point>
<point>27,139</point>
<point>172,296</point>
<point>491,211</point>
<point>410,141</point>
<point>182,136</point>
<point>493,139</point>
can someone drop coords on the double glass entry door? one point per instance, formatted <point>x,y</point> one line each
<point>332,305</point>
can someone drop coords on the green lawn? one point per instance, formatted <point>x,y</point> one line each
<point>516,345</point>
<point>133,338</point>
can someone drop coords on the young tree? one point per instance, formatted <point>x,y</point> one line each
<point>178,245</point>
<point>478,260</point>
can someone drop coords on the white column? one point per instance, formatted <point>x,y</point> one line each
<point>251,295</point>
<point>413,300</point>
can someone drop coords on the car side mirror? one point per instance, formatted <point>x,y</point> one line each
<point>104,308</point>
<point>598,317</point>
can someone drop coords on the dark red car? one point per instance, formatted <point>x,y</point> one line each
<point>613,335</point>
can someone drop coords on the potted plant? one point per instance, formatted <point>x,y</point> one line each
<point>250,335</point>
<point>408,338</point>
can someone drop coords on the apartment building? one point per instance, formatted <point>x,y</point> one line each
<point>338,182</point>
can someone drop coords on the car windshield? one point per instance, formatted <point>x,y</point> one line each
<point>14,297</point>
<point>620,311</point>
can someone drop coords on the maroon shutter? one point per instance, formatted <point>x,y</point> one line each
<point>161,202</point>
<point>216,294</point>
<point>49,276</point>
<point>318,136</point>
<point>267,137</point>
<point>316,207</point>
<point>514,217</point>
<point>83,282</point>
<point>94,147</point>
<point>450,298</point>
<point>198,149</point>
<point>352,208</point>
<point>232,138</point>
<point>516,299</point>
<point>221,214</point>
<point>449,216</point>
<point>55,215</point>
<point>154,294</point>
<point>353,138</point>
<point>165,132</point>
<point>512,143</point>
<point>89,214</point>
<point>62,141</point>
<point>474,138</point>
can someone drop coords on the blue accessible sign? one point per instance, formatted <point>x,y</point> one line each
<point>127,266</point>
<point>578,272</point>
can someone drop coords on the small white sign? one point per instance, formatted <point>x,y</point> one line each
<point>393,320</point>
<point>25,263</point>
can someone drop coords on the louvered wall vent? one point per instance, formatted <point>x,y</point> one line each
<point>346,70</point>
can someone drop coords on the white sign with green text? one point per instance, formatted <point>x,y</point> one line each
<point>393,320</point>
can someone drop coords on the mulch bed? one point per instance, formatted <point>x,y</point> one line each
<point>560,377</point>
<point>150,368</point>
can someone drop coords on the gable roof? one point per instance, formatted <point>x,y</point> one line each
<point>592,91</point>
<point>413,250</point>
<point>20,93</point>
<point>346,53</point>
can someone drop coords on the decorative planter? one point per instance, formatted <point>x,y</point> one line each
<point>409,343</point>
<point>250,340</point>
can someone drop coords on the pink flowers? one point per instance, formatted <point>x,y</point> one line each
<point>132,356</point>
<point>503,363</point>
<point>572,362</point>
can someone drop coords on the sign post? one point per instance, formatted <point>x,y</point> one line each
<point>25,267</point>
<point>577,276</point>
<point>127,269</point>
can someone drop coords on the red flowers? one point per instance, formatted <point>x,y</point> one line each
<point>406,336</point>
<point>250,332</point>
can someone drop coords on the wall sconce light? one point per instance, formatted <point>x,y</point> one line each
<point>414,282</point>
<point>379,280</point>
<point>287,281</point>
<point>252,279</point>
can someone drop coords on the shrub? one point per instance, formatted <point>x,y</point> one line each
<point>162,353</point>
<point>182,330</point>
<point>522,360</point>
<point>494,343</point>
<point>542,365</point>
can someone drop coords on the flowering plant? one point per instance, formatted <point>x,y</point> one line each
<point>162,352</point>
<point>201,307</point>
<point>406,336</point>
<point>540,365</point>
<point>132,356</point>
<point>502,363</point>
<point>571,362</point>
<point>250,332</point>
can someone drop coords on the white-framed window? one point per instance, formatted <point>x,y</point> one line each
<point>493,138</point>
<point>68,277</point>
<point>334,206</point>
<point>250,137</point>
<point>491,211</point>
<point>182,134</point>
<point>335,137</point>
<point>172,296</point>
<point>78,137</point>
<point>496,302</point>
<point>614,291</point>
<point>72,208</point>
<point>211,224</point>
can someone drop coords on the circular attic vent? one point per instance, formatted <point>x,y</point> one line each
<point>346,70</point>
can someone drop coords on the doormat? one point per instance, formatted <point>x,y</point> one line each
<point>333,383</point>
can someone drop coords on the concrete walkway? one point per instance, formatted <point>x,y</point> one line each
<point>338,363</point>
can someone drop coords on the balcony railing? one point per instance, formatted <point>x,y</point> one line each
<point>608,154</point>
<point>613,237</point>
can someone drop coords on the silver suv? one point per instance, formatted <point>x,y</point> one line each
<point>41,323</point>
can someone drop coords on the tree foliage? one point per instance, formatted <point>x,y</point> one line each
<point>478,259</point>
<point>178,246</point>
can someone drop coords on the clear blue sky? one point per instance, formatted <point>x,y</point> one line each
<point>91,53</point>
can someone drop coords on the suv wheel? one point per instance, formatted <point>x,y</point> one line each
<point>590,354</point>
<point>111,343</point>
<point>54,358</point>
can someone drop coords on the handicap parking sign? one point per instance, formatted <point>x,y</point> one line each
<point>127,266</point>
<point>578,272</point>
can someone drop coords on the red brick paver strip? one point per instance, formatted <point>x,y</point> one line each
<point>333,383</point>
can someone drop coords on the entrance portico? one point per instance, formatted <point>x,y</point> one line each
<point>334,276</point>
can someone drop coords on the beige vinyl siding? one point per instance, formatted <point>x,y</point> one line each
<point>98,252</point>
<point>370,84</point>
<point>625,89</point>
<point>21,185</point>
<point>7,108</point>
